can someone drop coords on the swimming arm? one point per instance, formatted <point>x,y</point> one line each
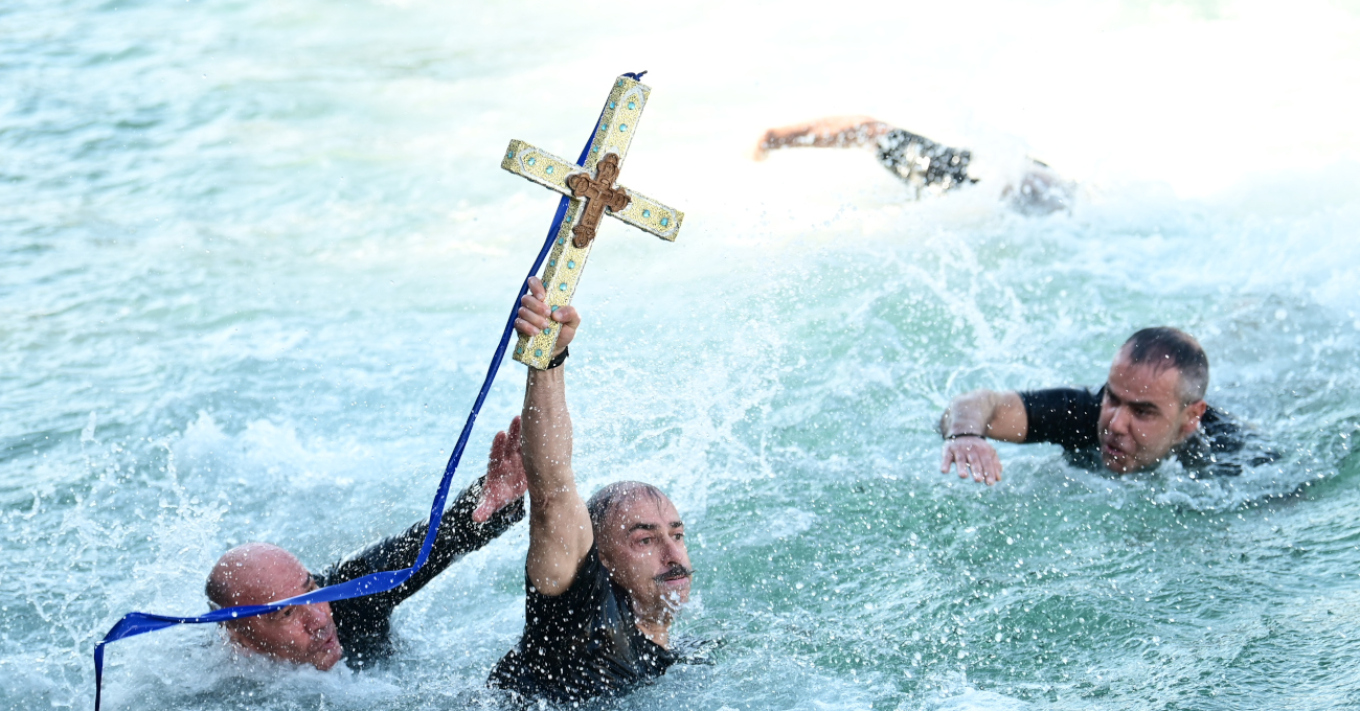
<point>559,526</point>
<point>829,132</point>
<point>459,534</point>
<point>969,421</point>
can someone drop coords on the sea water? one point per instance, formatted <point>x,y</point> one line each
<point>254,258</point>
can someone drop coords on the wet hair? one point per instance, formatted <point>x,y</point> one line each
<point>1163,347</point>
<point>607,499</point>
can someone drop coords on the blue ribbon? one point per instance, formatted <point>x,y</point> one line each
<point>135,623</point>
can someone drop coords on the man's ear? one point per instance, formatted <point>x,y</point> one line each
<point>233,633</point>
<point>1193,412</point>
<point>602,550</point>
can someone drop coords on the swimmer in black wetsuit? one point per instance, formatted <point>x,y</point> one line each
<point>604,579</point>
<point>1150,408</point>
<point>358,630</point>
<point>918,161</point>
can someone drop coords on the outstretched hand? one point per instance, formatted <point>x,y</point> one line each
<point>973,456</point>
<point>762,149</point>
<point>535,315</point>
<point>505,479</point>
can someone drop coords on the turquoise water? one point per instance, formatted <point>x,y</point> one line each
<point>253,258</point>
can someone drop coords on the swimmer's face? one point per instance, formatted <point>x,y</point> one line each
<point>1142,416</point>
<point>301,634</point>
<point>642,544</point>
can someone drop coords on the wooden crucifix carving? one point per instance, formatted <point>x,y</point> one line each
<point>591,198</point>
<point>599,194</point>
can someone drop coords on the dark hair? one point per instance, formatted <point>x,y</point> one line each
<point>1163,347</point>
<point>604,500</point>
<point>216,590</point>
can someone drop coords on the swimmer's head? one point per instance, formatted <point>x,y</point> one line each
<point>257,573</point>
<point>1154,398</point>
<point>641,540</point>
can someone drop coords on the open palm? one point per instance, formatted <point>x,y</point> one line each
<point>505,479</point>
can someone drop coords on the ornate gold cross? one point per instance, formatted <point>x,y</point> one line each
<point>591,197</point>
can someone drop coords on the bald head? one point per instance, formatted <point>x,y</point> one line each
<point>253,574</point>
<point>258,573</point>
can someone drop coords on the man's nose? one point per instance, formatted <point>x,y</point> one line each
<point>1119,422</point>
<point>673,552</point>
<point>315,616</point>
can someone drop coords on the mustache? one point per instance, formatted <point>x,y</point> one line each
<point>675,572</point>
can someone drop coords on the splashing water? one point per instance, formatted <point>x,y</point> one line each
<point>254,258</point>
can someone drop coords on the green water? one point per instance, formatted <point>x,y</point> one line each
<point>253,259</point>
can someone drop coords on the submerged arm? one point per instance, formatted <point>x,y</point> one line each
<point>559,526</point>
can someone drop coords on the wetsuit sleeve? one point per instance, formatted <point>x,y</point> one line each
<point>458,535</point>
<point>1069,417</point>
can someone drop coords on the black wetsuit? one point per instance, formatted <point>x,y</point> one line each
<point>1070,417</point>
<point>580,644</point>
<point>923,163</point>
<point>364,624</point>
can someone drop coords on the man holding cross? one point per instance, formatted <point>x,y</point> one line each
<point>604,577</point>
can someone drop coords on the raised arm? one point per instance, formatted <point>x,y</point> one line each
<point>559,526</point>
<point>829,132</point>
<point>967,423</point>
<point>484,510</point>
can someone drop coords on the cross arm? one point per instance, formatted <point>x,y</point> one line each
<point>552,172</point>
<point>540,166</point>
<point>649,215</point>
